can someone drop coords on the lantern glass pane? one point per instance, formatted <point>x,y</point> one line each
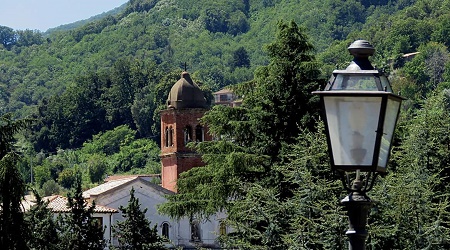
<point>392,109</point>
<point>354,82</point>
<point>385,84</point>
<point>352,124</point>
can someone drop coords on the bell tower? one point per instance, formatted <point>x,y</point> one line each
<point>180,125</point>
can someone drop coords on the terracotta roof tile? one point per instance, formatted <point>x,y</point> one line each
<point>118,177</point>
<point>58,204</point>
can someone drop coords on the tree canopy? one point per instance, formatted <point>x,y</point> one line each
<point>13,229</point>
<point>135,232</point>
<point>242,165</point>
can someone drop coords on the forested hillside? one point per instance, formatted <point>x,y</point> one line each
<point>212,37</point>
<point>113,74</point>
<point>79,23</point>
<point>93,94</point>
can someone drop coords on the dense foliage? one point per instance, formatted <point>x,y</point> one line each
<point>244,166</point>
<point>135,232</point>
<point>13,233</point>
<point>78,229</point>
<point>42,226</point>
<point>95,90</point>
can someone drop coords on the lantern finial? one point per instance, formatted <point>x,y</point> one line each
<point>361,50</point>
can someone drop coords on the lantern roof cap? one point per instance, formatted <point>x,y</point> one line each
<point>361,48</point>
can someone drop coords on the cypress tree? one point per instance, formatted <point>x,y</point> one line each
<point>13,230</point>
<point>79,230</point>
<point>135,231</point>
<point>42,226</point>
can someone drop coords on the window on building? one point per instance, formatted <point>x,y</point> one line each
<point>98,220</point>
<point>165,230</point>
<point>199,133</point>
<point>187,134</point>
<point>223,98</point>
<point>195,231</point>
<point>170,136</point>
<point>222,228</point>
<point>166,137</point>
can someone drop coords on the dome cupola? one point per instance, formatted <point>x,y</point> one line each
<point>186,94</point>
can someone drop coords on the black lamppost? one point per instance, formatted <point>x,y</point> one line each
<point>360,113</point>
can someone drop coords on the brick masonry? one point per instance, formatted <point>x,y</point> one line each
<point>175,156</point>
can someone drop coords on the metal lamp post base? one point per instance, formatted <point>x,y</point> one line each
<point>358,205</point>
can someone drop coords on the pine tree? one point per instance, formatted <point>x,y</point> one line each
<point>13,231</point>
<point>412,209</point>
<point>135,231</point>
<point>42,226</point>
<point>242,174</point>
<point>79,230</point>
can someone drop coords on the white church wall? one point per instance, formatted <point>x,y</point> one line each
<point>180,231</point>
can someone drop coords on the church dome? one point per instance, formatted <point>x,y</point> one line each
<point>186,94</point>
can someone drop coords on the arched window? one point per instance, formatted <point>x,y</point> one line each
<point>199,134</point>
<point>222,228</point>
<point>170,135</point>
<point>165,230</point>
<point>166,137</point>
<point>187,134</point>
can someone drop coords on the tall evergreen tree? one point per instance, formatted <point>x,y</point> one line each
<point>135,232</point>
<point>241,172</point>
<point>42,226</point>
<point>78,229</point>
<point>413,209</point>
<point>13,231</point>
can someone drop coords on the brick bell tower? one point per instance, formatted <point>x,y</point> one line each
<point>179,126</point>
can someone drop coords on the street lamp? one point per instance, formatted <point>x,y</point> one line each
<point>360,114</point>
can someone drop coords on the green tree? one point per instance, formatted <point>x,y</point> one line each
<point>138,154</point>
<point>237,23</point>
<point>50,187</point>
<point>67,177</point>
<point>97,167</point>
<point>13,229</point>
<point>427,69</point>
<point>135,232</point>
<point>143,109</point>
<point>241,170</point>
<point>240,58</point>
<point>109,142</point>
<point>126,79</point>
<point>42,226</point>
<point>216,20</point>
<point>78,229</point>
<point>29,37</point>
<point>7,37</point>
<point>42,174</point>
<point>412,208</point>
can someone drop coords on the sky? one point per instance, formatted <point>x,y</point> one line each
<point>44,14</point>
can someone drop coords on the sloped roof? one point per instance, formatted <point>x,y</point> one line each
<point>223,91</point>
<point>105,187</point>
<point>118,183</point>
<point>27,203</point>
<point>118,177</point>
<point>58,204</point>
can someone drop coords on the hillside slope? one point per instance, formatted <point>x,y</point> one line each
<point>211,37</point>
<point>203,34</point>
